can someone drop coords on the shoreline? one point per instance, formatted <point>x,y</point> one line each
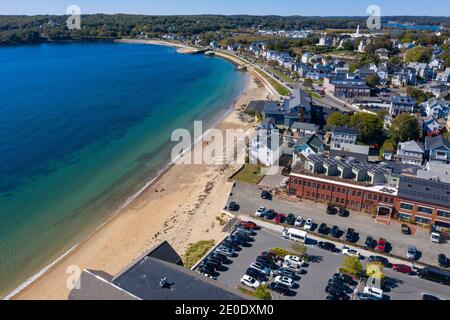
<point>35,286</point>
<point>181,48</point>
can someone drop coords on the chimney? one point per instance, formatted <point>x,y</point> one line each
<point>302,114</point>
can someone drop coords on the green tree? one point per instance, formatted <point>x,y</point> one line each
<point>374,270</point>
<point>263,293</point>
<point>372,80</point>
<point>404,127</point>
<point>418,54</point>
<point>337,119</point>
<point>418,94</point>
<point>370,127</point>
<point>308,82</point>
<point>352,265</point>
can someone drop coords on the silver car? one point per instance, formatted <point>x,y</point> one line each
<point>411,253</point>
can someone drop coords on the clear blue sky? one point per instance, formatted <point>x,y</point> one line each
<point>253,7</point>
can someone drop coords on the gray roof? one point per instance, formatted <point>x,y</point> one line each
<point>257,105</point>
<point>345,130</point>
<point>143,279</point>
<point>347,155</point>
<point>411,146</point>
<point>305,126</point>
<point>426,191</point>
<point>436,142</point>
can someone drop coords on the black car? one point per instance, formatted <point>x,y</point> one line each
<point>334,291</point>
<point>370,242</point>
<point>280,288</point>
<point>230,244</point>
<point>342,212</point>
<point>218,256</point>
<point>242,235</point>
<point>267,263</point>
<point>326,246</point>
<point>337,297</point>
<point>442,260</point>
<point>211,264</point>
<point>426,296</point>
<point>286,273</point>
<point>344,278</point>
<point>382,260</point>
<point>323,228</point>
<point>238,240</point>
<point>233,206</point>
<point>335,232</point>
<point>204,269</point>
<point>261,277</point>
<point>270,214</point>
<point>266,195</point>
<point>339,284</point>
<point>350,235</point>
<point>331,209</point>
<point>290,219</point>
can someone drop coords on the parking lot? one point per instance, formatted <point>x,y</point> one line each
<point>248,198</point>
<point>320,267</point>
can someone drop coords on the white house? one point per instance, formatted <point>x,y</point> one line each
<point>410,152</point>
<point>436,108</point>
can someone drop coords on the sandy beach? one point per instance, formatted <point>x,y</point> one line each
<point>182,207</point>
<point>181,48</point>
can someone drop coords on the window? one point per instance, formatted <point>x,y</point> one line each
<point>334,189</point>
<point>406,206</point>
<point>422,220</point>
<point>307,194</point>
<point>370,196</point>
<point>404,216</point>
<point>354,193</point>
<point>292,191</point>
<point>443,213</point>
<point>353,203</point>
<point>343,191</point>
<point>309,183</point>
<point>313,195</point>
<point>359,194</point>
<point>318,186</point>
<point>314,185</point>
<point>328,188</point>
<point>339,190</point>
<point>424,210</point>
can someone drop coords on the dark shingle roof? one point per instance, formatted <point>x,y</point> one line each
<point>345,130</point>
<point>426,191</point>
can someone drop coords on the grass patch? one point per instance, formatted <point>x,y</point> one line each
<point>282,75</point>
<point>282,90</point>
<point>280,252</point>
<point>313,94</point>
<point>250,173</point>
<point>195,251</point>
<point>221,220</point>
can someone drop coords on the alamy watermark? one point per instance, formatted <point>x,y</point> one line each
<point>374,20</point>
<point>74,20</point>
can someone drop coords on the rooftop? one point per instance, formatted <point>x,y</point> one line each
<point>427,191</point>
<point>344,130</point>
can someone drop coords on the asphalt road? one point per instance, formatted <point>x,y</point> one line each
<point>248,198</point>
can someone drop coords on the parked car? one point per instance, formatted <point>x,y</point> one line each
<point>210,264</point>
<point>270,214</point>
<point>335,232</point>
<point>290,219</point>
<point>260,267</point>
<point>218,256</point>
<point>382,260</point>
<point>323,228</point>
<point>350,252</point>
<point>225,251</point>
<point>334,291</point>
<point>365,296</point>
<point>285,272</point>
<point>268,255</point>
<point>206,270</point>
<point>294,260</point>
<point>285,280</point>
<point>344,278</point>
<point>292,267</point>
<point>280,288</point>
<point>229,243</point>
<point>242,230</point>
<point>377,293</point>
<point>430,297</point>
<point>266,195</point>
<point>250,282</point>
<point>298,221</point>
<point>334,296</point>
<point>350,235</point>
<point>411,253</point>
<point>248,225</point>
<point>260,212</point>
<point>442,260</point>
<point>261,277</point>
<point>279,218</point>
<point>267,263</point>
<point>237,240</point>
<point>342,212</point>
<point>335,283</point>
<point>308,224</point>
<point>326,246</point>
<point>381,245</point>
<point>402,268</point>
<point>331,209</point>
<point>233,206</point>
<point>370,242</point>
<point>406,229</point>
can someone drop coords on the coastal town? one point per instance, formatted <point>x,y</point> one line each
<point>355,124</point>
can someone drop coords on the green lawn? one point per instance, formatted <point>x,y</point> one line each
<point>313,94</point>
<point>282,90</point>
<point>250,174</point>
<point>195,251</point>
<point>282,75</point>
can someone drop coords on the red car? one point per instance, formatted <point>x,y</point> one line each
<point>268,255</point>
<point>381,245</point>
<point>279,218</point>
<point>402,268</point>
<point>248,225</point>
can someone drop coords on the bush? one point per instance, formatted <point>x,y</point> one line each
<point>196,251</point>
<point>299,248</point>
<point>351,265</point>
<point>263,293</point>
<point>280,252</point>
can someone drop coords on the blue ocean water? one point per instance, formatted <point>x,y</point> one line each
<point>84,126</point>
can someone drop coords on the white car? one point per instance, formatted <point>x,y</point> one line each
<point>294,260</point>
<point>292,267</point>
<point>260,212</point>
<point>308,224</point>
<point>298,221</point>
<point>350,252</point>
<point>374,292</point>
<point>260,268</point>
<point>250,282</point>
<point>285,280</point>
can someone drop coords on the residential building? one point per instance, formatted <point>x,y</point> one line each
<point>410,152</point>
<point>306,57</point>
<point>438,149</point>
<point>382,53</point>
<point>430,126</point>
<point>307,145</point>
<point>325,41</point>
<point>439,109</point>
<point>351,152</point>
<point>400,104</point>
<point>304,129</point>
<point>422,69</point>
<point>348,86</point>
<point>439,90</point>
<point>342,136</point>
<point>265,148</point>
